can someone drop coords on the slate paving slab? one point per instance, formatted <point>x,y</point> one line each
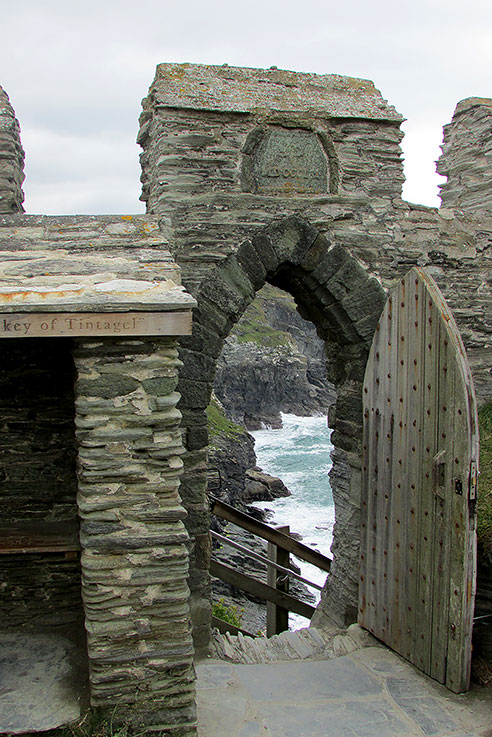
<point>39,682</point>
<point>369,693</point>
<point>349,719</point>
<point>333,679</point>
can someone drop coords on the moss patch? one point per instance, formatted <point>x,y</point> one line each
<point>218,424</point>
<point>484,508</point>
<point>253,327</point>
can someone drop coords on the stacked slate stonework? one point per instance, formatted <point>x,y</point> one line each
<point>467,157</point>
<point>11,159</point>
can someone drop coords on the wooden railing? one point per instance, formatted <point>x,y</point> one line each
<point>281,602</point>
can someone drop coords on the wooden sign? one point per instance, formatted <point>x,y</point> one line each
<point>81,324</point>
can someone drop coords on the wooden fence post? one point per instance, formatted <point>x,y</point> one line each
<point>277,616</point>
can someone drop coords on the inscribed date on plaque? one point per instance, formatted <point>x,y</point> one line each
<point>290,161</point>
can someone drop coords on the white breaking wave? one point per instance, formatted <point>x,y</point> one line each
<point>299,454</point>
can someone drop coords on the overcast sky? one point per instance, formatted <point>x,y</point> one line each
<point>76,72</point>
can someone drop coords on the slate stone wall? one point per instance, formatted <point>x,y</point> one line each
<point>37,431</point>
<point>466,158</point>
<point>11,159</point>
<point>38,479</point>
<point>90,431</point>
<point>191,152</point>
<point>209,138</point>
<point>134,543</point>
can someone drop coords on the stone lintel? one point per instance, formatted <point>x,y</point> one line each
<point>90,295</point>
<point>108,275</point>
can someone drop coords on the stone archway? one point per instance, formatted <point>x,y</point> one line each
<point>343,300</point>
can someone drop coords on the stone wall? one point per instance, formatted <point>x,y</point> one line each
<point>134,554</point>
<point>38,480</point>
<point>251,176</point>
<point>466,158</point>
<point>211,139</point>
<point>11,159</point>
<point>37,432</point>
<point>93,425</point>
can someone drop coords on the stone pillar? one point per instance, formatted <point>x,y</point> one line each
<point>11,159</point>
<point>134,543</point>
<point>466,158</point>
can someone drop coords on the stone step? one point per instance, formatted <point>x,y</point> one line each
<point>308,643</point>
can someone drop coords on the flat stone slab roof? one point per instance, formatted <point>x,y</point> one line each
<point>244,90</point>
<point>87,263</point>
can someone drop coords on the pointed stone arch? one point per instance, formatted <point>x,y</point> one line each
<point>344,301</point>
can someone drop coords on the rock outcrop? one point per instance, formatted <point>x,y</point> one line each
<point>233,475</point>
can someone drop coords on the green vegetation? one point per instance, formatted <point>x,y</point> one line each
<point>253,327</point>
<point>218,424</point>
<point>94,723</point>
<point>484,510</point>
<point>230,614</point>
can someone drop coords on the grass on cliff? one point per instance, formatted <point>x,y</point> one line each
<point>484,506</point>
<point>218,424</point>
<point>253,327</point>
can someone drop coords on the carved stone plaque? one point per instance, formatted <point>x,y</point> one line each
<point>64,324</point>
<point>290,161</point>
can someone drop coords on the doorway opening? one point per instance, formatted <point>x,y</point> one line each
<point>271,382</point>
<point>42,617</point>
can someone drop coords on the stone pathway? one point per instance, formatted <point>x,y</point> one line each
<point>41,686</point>
<point>370,692</point>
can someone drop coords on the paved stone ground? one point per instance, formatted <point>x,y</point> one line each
<point>368,693</point>
<point>41,685</point>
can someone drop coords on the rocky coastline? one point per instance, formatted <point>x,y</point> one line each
<point>235,479</point>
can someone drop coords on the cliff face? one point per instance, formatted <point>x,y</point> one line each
<point>273,362</point>
<point>233,477</point>
<point>232,472</point>
<point>231,453</point>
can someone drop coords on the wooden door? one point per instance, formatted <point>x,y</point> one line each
<point>420,457</point>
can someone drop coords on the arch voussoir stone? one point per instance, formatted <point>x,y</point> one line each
<point>290,238</point>
<point>363,305</point>
<point>366,325</point>
<point>210,317</point>
<point>331,261</point>
<point>229,288</point>
<point>266,253</point>
<point>350,277</point>
<point>316,251</point>
<point>252,264</point>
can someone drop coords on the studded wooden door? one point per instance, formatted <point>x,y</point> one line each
<point>420,451</point>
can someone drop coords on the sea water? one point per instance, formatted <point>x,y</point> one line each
<point>299,454</point>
